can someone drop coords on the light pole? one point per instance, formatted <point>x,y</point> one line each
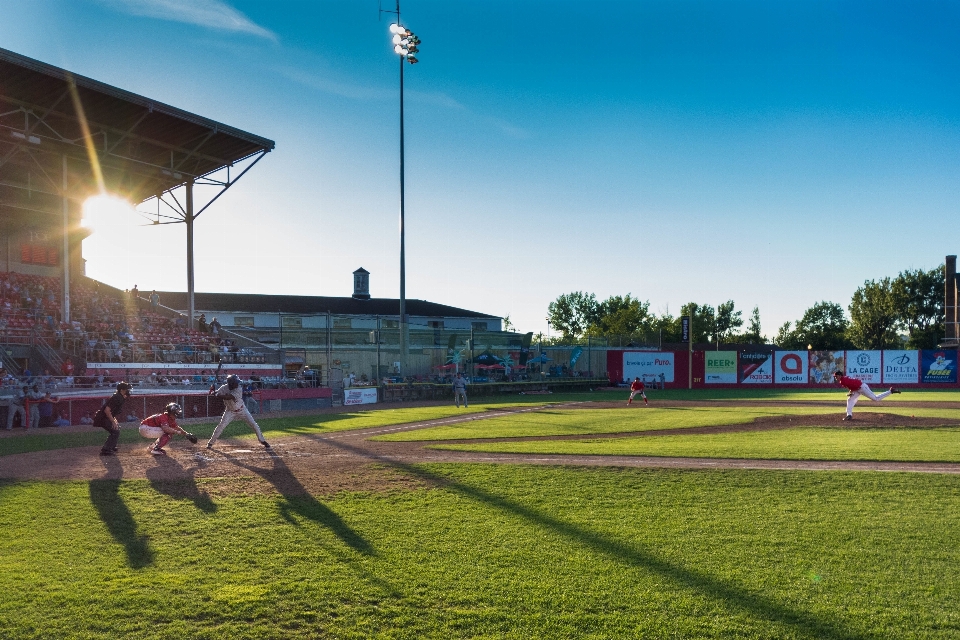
<point>405,44</point>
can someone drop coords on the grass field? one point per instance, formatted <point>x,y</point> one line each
<point>904,445</point>
<point>505,551</point>
<point>495,552</point>
<point>571,422</point>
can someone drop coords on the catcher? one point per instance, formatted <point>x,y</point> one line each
<point>163,426</point>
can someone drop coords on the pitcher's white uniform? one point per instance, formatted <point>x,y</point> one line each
<point>234,409</point>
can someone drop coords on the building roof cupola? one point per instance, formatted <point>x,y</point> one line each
<point>361,284</point>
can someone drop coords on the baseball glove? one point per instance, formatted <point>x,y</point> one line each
<point>192,438</point>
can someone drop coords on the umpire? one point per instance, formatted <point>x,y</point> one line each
<point>106,418</point>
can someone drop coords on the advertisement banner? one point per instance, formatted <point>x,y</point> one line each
<point>864,365</point>
<point>756,367</point>
<point>658,364</point>
<point>720,367</point>
<point>823,364</point>
<point>901,367</point>
<point>360,395</point>
<point>791,367</point>
<point>938,365</point>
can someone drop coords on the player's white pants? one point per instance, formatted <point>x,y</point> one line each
<point>150,432</point>
<point>460,394</point>
<point>229,415</point>
<point>864,390</point>
<point>15,410</point>
<point>642,395</point>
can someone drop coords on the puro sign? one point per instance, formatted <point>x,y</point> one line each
<point>791,367</point>
<point>637,364</point>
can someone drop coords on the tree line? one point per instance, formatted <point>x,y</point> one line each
<point>906,311</point>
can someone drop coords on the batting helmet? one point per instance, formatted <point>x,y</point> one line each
<point>233,381</point>
<point>174,409</point>
<point>123,386</point>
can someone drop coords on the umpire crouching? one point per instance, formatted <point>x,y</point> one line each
<point>106,418</point>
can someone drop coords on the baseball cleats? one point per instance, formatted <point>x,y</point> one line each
<point>894,390</point>
<point>266,445</point>
<point>157,452</point>
<point>845,418</point>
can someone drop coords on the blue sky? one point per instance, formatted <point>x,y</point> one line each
<point>776,154</point>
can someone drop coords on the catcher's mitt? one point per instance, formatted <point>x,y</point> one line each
<point>192,438</point>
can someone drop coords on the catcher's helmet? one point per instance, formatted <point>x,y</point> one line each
<point>123,386</point>
<point>174,409</point>
<point>233,381</point>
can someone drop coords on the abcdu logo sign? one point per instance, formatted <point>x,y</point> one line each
<point>791,367</point>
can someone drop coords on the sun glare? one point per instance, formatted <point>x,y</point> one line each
<point>103,211</point>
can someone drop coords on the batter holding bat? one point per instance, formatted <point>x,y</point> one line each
<point>163,426</point>
<point>233,408</point>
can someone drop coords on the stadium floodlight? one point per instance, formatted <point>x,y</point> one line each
<point>406,45</point>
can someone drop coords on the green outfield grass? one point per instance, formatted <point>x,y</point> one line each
<point>906,445</point>
<point>829,393</point>
<point>571,422</point>
<point>494,552</point>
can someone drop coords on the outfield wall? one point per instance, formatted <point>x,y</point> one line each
<point>929,368</point>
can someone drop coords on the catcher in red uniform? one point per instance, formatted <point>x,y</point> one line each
<point>163,426</point>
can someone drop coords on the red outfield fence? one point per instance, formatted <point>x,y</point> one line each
<point>928,368</point>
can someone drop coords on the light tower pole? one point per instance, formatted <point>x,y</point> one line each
<point>405,44</point>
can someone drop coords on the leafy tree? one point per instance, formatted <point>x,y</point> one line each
<point>507,324</point>
<point>572,313</point>
<point>666,327</point>
<point>918,300</point>
<point>726,321</point>
<point>786,338</point>
<point>704,320</point>
<point>621,316</point>
<point>873,316</point>
<point>753,334</point>
<point>823,326</point>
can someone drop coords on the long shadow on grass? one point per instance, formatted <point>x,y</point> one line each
<point>803,622</point>
<point>298,500</point>
<point>105,497</point>
<point>184,487</point>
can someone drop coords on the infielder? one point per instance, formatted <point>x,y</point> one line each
<point>856,388</point>
<point>460,390</point>
<point>638,387</point>
<point>163,426</point>
<point>233,408</point>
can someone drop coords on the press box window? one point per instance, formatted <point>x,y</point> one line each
<point>342,323</point>
<point>243,321</point>
<point>293,322</point>
<point>479,326</point>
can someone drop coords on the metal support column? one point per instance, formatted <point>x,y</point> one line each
<point>189,218</point>
<point>950,301</point>
<point>404,330</point>
<point>66,245</point>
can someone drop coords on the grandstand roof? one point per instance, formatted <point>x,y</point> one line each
<point>144,147</point>
<point>306,305</point>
